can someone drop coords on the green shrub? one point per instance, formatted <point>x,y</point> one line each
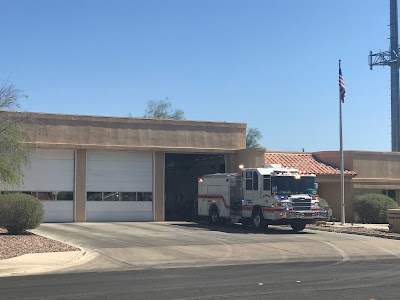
<point>372,208</point>
<point>19,212</point>
<point>322,205</point>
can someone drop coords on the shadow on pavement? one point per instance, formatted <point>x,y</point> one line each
<point>240,229</point>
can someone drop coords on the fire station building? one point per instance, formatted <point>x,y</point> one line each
<point>88,169</point>
<point>109,169</point>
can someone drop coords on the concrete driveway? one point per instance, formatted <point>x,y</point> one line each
<point>127,246</point>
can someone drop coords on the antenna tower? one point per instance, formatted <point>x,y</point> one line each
<point>391,58</point>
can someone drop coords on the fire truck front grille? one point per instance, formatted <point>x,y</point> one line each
<point>301,204</point>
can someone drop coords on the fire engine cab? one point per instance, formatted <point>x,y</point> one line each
<point>269,195</point>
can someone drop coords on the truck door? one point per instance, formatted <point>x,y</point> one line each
<point>251,187</point>
<point>266,190</point>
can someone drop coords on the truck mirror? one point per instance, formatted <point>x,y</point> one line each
<point>316,185</point>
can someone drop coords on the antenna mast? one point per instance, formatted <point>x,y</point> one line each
<point>391,58</point>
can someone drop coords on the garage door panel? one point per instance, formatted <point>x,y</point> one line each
<point>119,211</point>
<point>49,170</point>
<point>118,155</point>
<point>129,167</point>
<point>118,172</point>
<point>122,171</point>
<point>58,211</point>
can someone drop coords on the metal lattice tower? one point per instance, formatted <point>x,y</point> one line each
<point>391,58</point>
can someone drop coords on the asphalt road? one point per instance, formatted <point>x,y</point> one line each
<point>192,261</point>
<point>365,279</point>
<point>133,246</point>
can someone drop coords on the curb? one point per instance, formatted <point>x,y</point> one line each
<point>15,266</point>
<point>339,230</point>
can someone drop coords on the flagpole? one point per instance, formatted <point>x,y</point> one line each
<point>341,155</point>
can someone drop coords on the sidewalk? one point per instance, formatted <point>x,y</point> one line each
<point>374,230</point>
<point>338,224</point>
<point>36,263</point>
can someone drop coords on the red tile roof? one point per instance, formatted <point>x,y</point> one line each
<point>304,162</point>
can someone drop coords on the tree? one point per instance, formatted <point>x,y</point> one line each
<point>253,135</point>
<point>161,109</point>
<point>14,149</point>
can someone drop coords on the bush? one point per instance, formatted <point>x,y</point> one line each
<point>19,212</point>
<point>372,208</point>
<point>322,205</point>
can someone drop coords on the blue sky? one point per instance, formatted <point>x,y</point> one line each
<point>270,64</point>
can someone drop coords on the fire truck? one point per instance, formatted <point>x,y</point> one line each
<point>269,195</point>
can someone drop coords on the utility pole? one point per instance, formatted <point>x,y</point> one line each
<point>391,58</point>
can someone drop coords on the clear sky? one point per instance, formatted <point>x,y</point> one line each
<point>271,64</point>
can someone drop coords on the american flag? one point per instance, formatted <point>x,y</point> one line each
<point>342,88</point>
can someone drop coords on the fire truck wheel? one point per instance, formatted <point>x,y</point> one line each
<point>258,220</point>
<point>298,226</point>
<point>214,215</point>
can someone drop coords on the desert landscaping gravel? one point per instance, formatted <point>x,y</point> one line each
<point>358,229</point>
<point>16,245</point>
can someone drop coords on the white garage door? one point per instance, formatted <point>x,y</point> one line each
<point>50,177</point>
<point>119,186</point>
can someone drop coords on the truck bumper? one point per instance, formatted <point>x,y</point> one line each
<point>309,214</point>
<point>309,217</point>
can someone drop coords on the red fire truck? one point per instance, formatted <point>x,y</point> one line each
<point>269,195</point>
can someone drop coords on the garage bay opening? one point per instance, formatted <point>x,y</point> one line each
<point>181,174</point>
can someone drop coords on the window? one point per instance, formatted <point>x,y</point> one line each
<point>119,196</point>
<point>390,193</point>
<point>255,181</point>
<point>249,181</point>
<point>47,195</point>
<point>110,196</point>
<point>27,193</point>
<point>65,195</point>
<point>144,197</point>
<point>94,196</point>
<point>266,182</point>
<point>128,197</point>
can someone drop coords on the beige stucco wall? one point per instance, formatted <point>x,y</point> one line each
<point>58,131</point>
<point>158,188</point>
<point>367,164</point>
<point>250,158</point>
<point>376,164</point>
<point>329,189</point>
<point>333,158</point>
<point>91,132</point>
<point>80,185</point>
<point>376,171</point>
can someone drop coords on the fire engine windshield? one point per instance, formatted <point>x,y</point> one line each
<point>287,185</point>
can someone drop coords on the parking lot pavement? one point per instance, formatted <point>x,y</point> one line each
<point>127,246</point>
